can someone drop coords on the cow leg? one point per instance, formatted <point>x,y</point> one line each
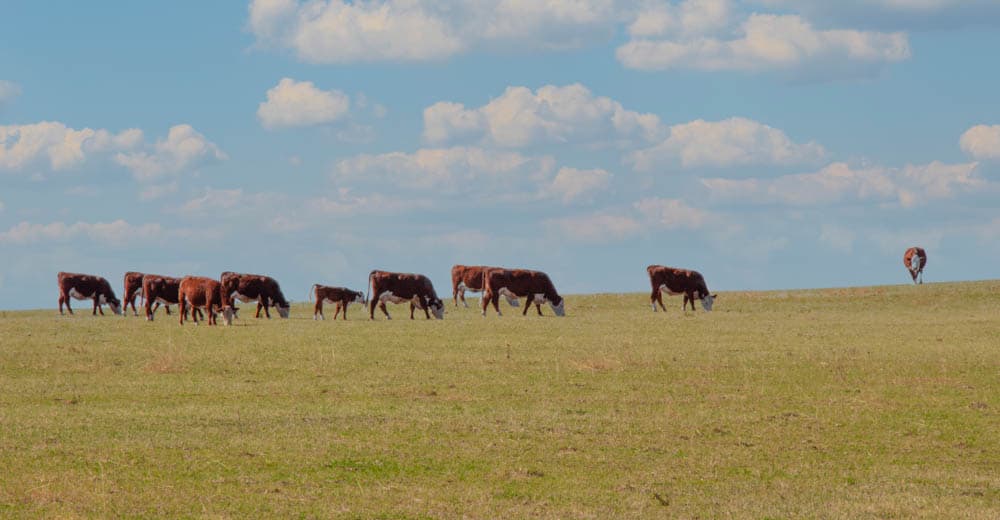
<point>371,308</point>
<point>385,311</point>
<point>426,311</point>
<point>95,306</point>
<point>462,295</point>
<point>454,294</point>
<point>267,312</point>
<point>148,308</point>
<point>260,305</point>
<point>411,309</point>
<point>64,298</point>
<point>538,306</point>
<point>318,310</point>
<point>527,306</point>
<point>166,308</point>
<point>197,312</point>
<point>181,309</point>
<point>341,306</point>
<point>490,297</point>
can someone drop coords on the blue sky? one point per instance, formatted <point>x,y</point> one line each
<point>767,143</point>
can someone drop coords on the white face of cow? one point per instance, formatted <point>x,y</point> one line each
<point>115,308</point>
<point>560,309</point>
<point>707,301</point>
<point>283,311</point>
<point>228,313</point>
<point>915,263</point>
<point>359,298</point>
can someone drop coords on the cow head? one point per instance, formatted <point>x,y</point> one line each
<point>707,300</point>
<point>228,313</point>
<point>359,297</point>
<point>283,310</point>
<point>115,305</point>
<point>559,309</point>
<point>436,306</point>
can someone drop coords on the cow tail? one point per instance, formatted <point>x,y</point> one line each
<point>368,289</point>
<point>312,290</point>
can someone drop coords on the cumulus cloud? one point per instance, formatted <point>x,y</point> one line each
<point>346,203</point>
<point>336,31</point>
<point>648,214</point>
<point>58,145</point>
<point>551,114</point>
<point>184,148</point>
<point>908,186</point>
<point>572,185</point>
<point>671,213</point>
<point>299,103</point>
<point>765,42</point>
<point>8,91</point>
<point>597,228</point>
<point>447,171</point>
<point>897,14</point>
<point>731,142</point>
<point>233,202</point>
<point>982,142</point>
<point>118,232</point>
<point>690,18</point>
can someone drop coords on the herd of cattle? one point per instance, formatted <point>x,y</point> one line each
<point>209,298</point>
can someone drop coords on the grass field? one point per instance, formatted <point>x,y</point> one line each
<point>840,403</point>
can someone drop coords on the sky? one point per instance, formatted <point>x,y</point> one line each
<point>768,144</point>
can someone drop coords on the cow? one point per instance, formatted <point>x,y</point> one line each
<point>679,281</point>
<point>400,288</point>
<point>160,290</point>
<point>255,287</point>
<point>470,278</point>
<point>338,295</point>
<point>133,290</point>
<point>86,287</point>
<point>915,259</point>
<point>201,292</point>
<point>534,286</point>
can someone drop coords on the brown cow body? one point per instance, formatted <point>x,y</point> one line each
<point>534,286</point>
<point>160,290</point>
<point>470,278</point>
<point>338,295</point>
<point>86,287</point>
<point>133,290</point>
<point>679,281</point>
<point>255,287</point>
<point>915,258</point>
<point>206,293</point>
<point>401,288</point>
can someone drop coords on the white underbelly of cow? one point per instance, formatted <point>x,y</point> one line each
<point>392,298</point>
<point>463,287</point>
<point>242,297</point>
<point>80,296</point>
<point>665,289</point>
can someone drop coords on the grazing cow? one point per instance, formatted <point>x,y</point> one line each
<point>534,286</point>
<point>201,292</point>
<point>86,287</point>
<point>339,295</point>
<point>401,288</point>
<point>470,278</point>
<point>255,287</point>
<point>679,281</point>
<point>133,290</point>
<point>915,259</point>
<point>160,290</point>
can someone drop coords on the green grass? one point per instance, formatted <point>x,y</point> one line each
<point>841,403</point>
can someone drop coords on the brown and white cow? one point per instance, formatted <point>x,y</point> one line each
<point>416,289</point>
<point>534,286</point>
<point>255,287</point>
<point>205,293</point>
<point>470,278</point>
<point>86,287</point>
<point>133,290</point>
<point>915,259</point>
<point>159,290</point>
<point>338,295</point>
<point>672,280</point>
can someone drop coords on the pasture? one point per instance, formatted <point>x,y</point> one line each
<point>838,403</point>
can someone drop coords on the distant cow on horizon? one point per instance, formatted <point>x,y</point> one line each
<point>534,286</point>
<point>678,281</point>
<point>915,258</point>
<point>206,293</point>
<point>86,287</point>
<point>470,278</point>
<point>133,290</point>
<point>255,287</point>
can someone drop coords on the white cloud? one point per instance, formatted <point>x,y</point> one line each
<point>598,228</point>
<point>908,186</point>
<point>671,213</point>
<point>690,18</point>
<point>8,91</point>
<point>906,14</point>
<point>552,114</point>
<point>735,141</point>
<point>336,31</point>
<point>571,184</point>
<point>62,147</point>
<point>649,214</point>
<point>118,232</point>
<point>233,203</point>
<point>982,142</point>
<point>299,103</point>
<point>768,41</point>
<point>448,171</point>
<point>157,191</point>
<point>184,148</point>
<point>345,203</point>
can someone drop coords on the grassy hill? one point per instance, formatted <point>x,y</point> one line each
<point>880,401</point>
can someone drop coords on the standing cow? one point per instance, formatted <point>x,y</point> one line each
<point>338,295</point>
<point>534,286</point>
<point>401,288</point>
<point>133,290</point>
<point>915,258</point>
<point>86,287</point>
<point>470,278</point>
<point>255,287</point>
<point>206,293</point>
<point>160,290</point>
<point>679,281</point>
